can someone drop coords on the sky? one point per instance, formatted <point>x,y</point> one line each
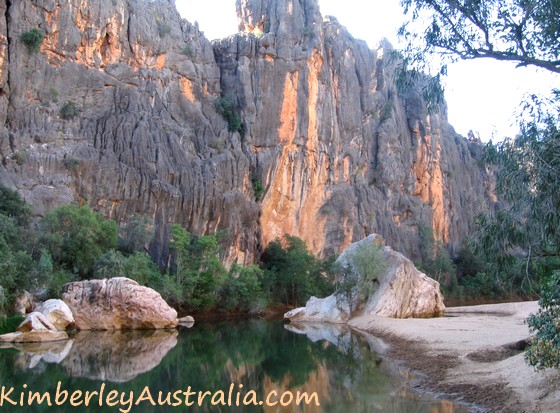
<point>482,95</point>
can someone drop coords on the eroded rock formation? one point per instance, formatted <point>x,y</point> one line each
<point>339,152</point>
<point>399,291</point>
<point>36,328</point>
<point>58,313</point>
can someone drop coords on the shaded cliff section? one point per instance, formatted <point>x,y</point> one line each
<point>339,152</point>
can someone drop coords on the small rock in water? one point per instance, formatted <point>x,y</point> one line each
<point>187,321</point>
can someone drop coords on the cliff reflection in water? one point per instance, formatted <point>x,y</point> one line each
<point>263,356</point>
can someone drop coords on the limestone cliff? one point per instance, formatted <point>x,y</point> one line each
<point>339,152</point>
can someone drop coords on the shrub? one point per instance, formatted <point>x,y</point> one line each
<point>242,289</point>
<point>198,270</point>
<point>136,234</point>
<point>293,274</point>
<point>266,26</point>
<point>20,157</point>
<point>109,265</point>
<point>386,111</point>
<point>187,50</point>
<point>480,284</point>
<point>225,107</point>
<point>140,267</point>
<point>76,236</point>
<point>71,164</point>
<point>69,110</point>
<point>9,324</point>
<point>163,28</point>
<point>15,265</point>
<point>13,206</point>
<point>258,188</point>
<point>544,351</point>
<point>54,94</point>
<point>32,39</point>
<point>58,280</point>
<point>358,280</point>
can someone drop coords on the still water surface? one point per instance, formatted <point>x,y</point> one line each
<point>340,366</point>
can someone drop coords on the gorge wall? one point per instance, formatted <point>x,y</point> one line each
<point>338,151</point>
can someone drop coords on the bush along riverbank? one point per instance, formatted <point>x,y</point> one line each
<point>73,243</point>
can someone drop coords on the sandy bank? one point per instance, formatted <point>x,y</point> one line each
<point>474,354</point>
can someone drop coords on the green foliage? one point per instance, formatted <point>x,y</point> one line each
<point>386,111</point>
<point>187,50</point>
<point>163,28</point>
<point>242,289</point>
<point>109,265</point>
<point>15,269</point>
<point>42,273</point>
<point>258,188</point>
<point>358,279</point>
<point>32,39</point>
<point>138,266</point>
<point>484,284</point>
<point>13,206</point>
<point>522,238</point>
<point>266,26</point>
<point>544,351</point>
<point>9,324</point>
<point>293,274</point>
<point>20,157</point>
<point>59,278</point>
<point>76,236</point>
<point>226,107</point>
<point>136,234</point>
<point>71,164</point>
<point>54,94</point>
<point>170,289</point>
<point>369,262</point>
<point>69,110</point>
<point>436,261</point>
<point>525,32</point>
<point>198,269</point>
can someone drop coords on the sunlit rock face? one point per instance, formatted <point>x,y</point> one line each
<point>339,151</point>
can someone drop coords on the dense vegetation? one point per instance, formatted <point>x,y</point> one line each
<point>520,240</point>
<point>75,243</point>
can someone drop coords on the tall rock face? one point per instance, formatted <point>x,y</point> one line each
<point>339,150</point>
<point>145,139</point>
<point>117,110</point>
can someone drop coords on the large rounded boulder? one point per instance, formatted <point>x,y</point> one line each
<point>117,304</point>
